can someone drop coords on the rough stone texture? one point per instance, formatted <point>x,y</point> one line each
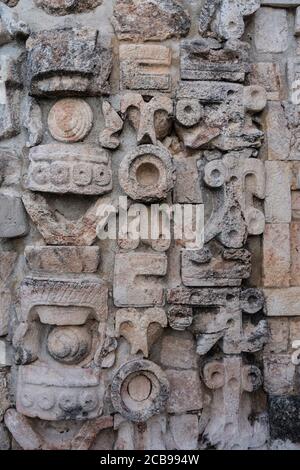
<point>271,30</point>
<point>66,7</point>
<point>168,19</point>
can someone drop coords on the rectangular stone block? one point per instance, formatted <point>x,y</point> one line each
<point>295,254</point>
<point>277,133</point>
<point>276,255</point>
<point>63,259</point>
<point>13,220</point>
<point>270,76</point>
<point>187,188</point>
<point>280,3</point>
<point>10,86</point>
<point>136,279</point>
<point>284,416</point>
<point>203,297</point>
<point>76,169</point>
<point>279,374</point>
<point>185,391</point>
<point>278,335</point>
<point>271,30</point>
<point>209,92</point>
<point>283,302</point>
<point>145,67</point>
<point>278,201</point>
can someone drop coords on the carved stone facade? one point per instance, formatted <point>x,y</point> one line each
<point>146,344</point>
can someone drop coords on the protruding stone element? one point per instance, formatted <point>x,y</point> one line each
<point>207,268</point>
<point>113,125</point>
<point>283,302</point>
<point>63,259</point>
<point>132,283</point>
<point>76,169</point>
<point>10,26</point>
<point>226,17</point>
<point>187,189</point>
<point>13,221</point>
<point>271,30</point>
<point>145,67</point>
<point>67,7</point>
<point>255,98</point>
<point>138,327</point>
<point>58,230</point>
<point>151,119</point>
<point>139,390</point>
<point>10,89</point>
<point>180,317</point>
<point>132,20</point>
<point>70,120</point>
<point>232,383</point>
<point>33,122</point>
<point>147,173</point>
<point>276,255</point>
<point>7,264</point>
<point>188,112</point>
<point>80,65</point>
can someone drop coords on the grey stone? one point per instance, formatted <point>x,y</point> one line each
<point>12,216</point>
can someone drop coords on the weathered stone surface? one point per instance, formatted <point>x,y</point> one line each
<point>134,75</point>
<point>168,19</point>
<point>11,84</point>
<point>147,173</point>
<point>113,125</point>
<point>140,328</point>
<point>67,7</point>
<point>284,418</point>
<point>12,217</point>
<point>33,122</point>
<point>63,259</point>
<point>68,61</point>
<point>136,279</point>
<point>279,375</point>
<point>185,391</point>
<point>278,335</point>
<point>295,256</point>
<point>70,120</point>
<point>5,401</point>
<point>278,135</point>
<point>55,228</point>
<point>180,317</point>
<point>10,26</point>
<point>7,264</point>
<point>283,302</point>
<point>184,430</point>
<point>278,193</point>
<point>77,169</point>
<point>139,390</point>
<point>271,30</point>
<point>270,76</point>
<point>178,350</point>
<point>276,255</point>
<point>4,438</point>
<point>187,188</point>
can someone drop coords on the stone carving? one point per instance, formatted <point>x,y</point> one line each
<point>229,426</point>
<point>80,65</point>
<point>132,284</point>
<point>113,125</point>
<point>168,19</point>
<point>145,67</point>
<point>70,120</point>
<point>33,123</point>
<point>77,169</point>
<point>228,17</point>
<point>180,317</point>
<point>139,328</point>
<point>12,217</point>
<point>55,228</point>
<point>63,259</point>
<point>66,7</point>
<point>7,264</point>
<point>151,120</point>
<point>10,26</point>
<point>10,95</point>
<point>139,390</point>
<point>147,173</point>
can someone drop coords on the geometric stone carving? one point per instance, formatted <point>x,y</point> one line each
<point>10,86</point>
<point>7,262</point>
<point>180,317</point>
<point>68,61</point>
<point>113,125</point>
<point>210,268</point>
<point>136,280</point>
<point>147,173</point>
<point>63,259</point>
<point>62,168</point>
<point>139,390</point>
<point>13,222</point>
<point>138,328</point>
<point>168,19</point>
<point>33,122</point>
<point>55,228</point>
<point>70,120</point>
<point>229,425</point>
<point>67,7</point>
<point>153,116</point>
<point>145,67</point>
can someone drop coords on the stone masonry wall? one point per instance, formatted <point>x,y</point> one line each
<point>147,344</point>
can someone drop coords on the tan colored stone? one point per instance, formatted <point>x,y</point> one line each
<point>279,374</point>
<point>66,7</point>
<point>276,255</point>
<point>271,30</point>
<point>70,120</point>
<point>278,136</point>
<point>113,125</point>
<point>270,76</point>
<point>283,302</point>
<point>178,350</point>
<point>295,254</point>
<point>278,193</point>
<point>185,391</point>
<point>278,335</point>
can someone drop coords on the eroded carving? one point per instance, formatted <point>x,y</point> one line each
<point>70,120</point>
<point>66,7</point>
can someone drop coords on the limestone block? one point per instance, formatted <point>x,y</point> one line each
<point>278,135</point>
<point>184,430</point>
<point>278,335</point>
<point>295,255</point>
<point>4,438</point>
<point>283,302</point>
<point>33,122</point>
<point>67,7</point>
<point>207,13</point>
<point>206,268</point>
<point>147,173</point>
<point>270,76</point>
<point>284,418</point>
<point>76,169</point>
<point>113,125</point>
<point>5,401</point>
<point>145,67</point>
<point>297,22</point>
<point>70,120</point>
<point>12,217</point>
<point>168,19</point>
<point>140,329</point>
<point>185,391</point>
<point>281,3</point>
<point>180,317</point>
<point>7,264</point>
<point>80,65</point>
<point>63,259</point>
<point>178,350</point>
<point>279,374</point>
<point>10,89</point>
<point>136,279</point>
<point>278,193</point>
<point>271,30</point>
<point>187,188</point>
<point>276,255</point>
<point>57,229</point>
<point>10,26</point>
<point>139,390</point>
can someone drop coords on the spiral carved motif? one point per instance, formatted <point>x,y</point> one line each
<point>70,120</point>
<point>69,345</point>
